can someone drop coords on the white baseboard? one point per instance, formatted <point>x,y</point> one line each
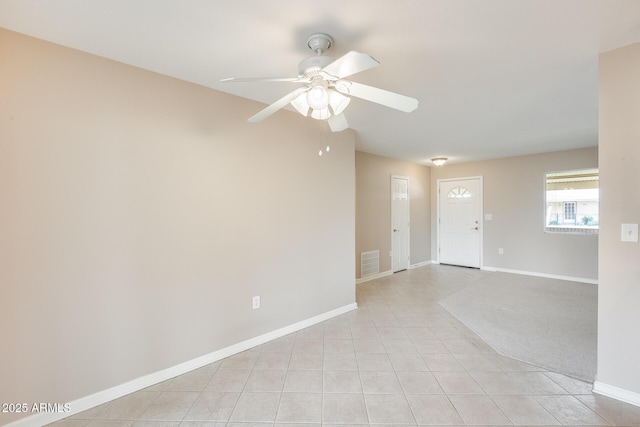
<point>374,276</point>
<point>488,268</point>
<point>616,393</point>
<point>550,276</point>
<point>112,393</point>
<point>419,264</point>
<point>389,272</point>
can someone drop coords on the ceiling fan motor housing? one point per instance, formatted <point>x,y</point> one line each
<point>313,64</point>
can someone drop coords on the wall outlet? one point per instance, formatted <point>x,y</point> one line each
<point>256,302</point>
<point>500,251</point>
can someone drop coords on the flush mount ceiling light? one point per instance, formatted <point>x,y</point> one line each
<point>439,161</point>
<point>326,94</point>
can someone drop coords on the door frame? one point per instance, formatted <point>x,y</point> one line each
<point>408,219</point>
<point>481,197</point>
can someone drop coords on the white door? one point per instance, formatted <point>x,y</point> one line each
<point>459,222</point>
<point>399,223</point>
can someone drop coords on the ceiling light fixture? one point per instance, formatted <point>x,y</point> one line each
<point>318,98</point>
<point>320,102</point>
<point>439,161</point>
<point>326,94</point>
<point>321,114</point>
<point>300,103</point>
<point>338,101</point>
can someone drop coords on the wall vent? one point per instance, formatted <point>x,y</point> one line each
<point>369,263</point>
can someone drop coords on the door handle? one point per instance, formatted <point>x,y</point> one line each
<point>395,230</point>
<point>474,228</point>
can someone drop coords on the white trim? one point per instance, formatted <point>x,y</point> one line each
<point>112,393</point>
<point>389,272</point>
<point>550,276</point>
<point>374,276</point>
<point>419,264</point>
<point>616,393</point>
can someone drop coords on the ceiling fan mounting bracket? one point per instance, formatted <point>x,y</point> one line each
<point>319,42</point>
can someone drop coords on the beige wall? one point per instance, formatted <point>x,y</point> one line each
<point>139,215</point>
<point>373,208</point>
<point>619,289</point>
<point>514,195</point>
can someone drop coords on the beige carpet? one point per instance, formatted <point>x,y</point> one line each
<point>546,322</point>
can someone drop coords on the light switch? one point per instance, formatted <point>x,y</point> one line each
<point>488,217</point>
<point>629,233</point>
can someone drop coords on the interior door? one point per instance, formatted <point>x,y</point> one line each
<point>399,223</point>
<point>459,222</point>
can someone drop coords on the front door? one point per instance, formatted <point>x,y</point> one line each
<point>459,222</point>
<point>399,223</point>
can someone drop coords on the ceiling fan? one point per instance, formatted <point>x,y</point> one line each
<point>326,93</point>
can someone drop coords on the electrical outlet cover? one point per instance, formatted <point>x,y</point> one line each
<point>629,233</point>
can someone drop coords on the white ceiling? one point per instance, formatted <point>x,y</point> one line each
<point>495,78</point>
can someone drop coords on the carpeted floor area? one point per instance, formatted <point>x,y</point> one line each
<point>547,322</point>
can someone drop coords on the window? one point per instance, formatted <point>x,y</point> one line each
<point>458,193</point>
<point>571,201</point>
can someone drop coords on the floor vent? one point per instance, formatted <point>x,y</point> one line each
<point>369,263</point>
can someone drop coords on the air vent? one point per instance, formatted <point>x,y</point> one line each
<point>369,263</point>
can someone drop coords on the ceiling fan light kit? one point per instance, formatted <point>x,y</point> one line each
<point>322,114</point>
<point>326,93</point>
<point>317,100</point>
<point>338,101</point>
<point>318,97</point>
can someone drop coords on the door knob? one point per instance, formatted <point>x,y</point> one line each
<point>474,228</point>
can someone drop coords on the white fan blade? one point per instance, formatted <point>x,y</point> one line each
<point>350,63</point>
<point>379,96</point>
<point>266,79</point>
<point>280,103</point>
<point>338,122</point>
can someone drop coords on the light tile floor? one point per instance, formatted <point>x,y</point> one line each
<point>399,359</point>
